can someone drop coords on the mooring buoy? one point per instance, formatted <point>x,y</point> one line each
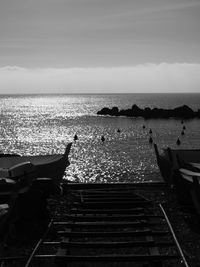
<point>102,138</point>
<point>75,137</point>
<point>178,142</point>
<point>150,140</point>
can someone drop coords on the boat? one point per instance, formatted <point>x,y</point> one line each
<point>45,166</point>
<point>7,217</point>
<point>32,179</point>
<point>171,160</point>
<point>187,185</point>
<point>181,168</point>
<point>19,183</point>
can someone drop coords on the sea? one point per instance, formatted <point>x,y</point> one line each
<point>45,124</point>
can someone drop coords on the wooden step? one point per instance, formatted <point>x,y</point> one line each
<point>144,232</point>
<point>67,244</point>
<point>115,210</point>
<point>103,224</point>
<point>106,194</point>
<point>60,258</point>
<point>108,204</point>
<point>109,194</point>
<point>94,217</point>
<point>106,199</point>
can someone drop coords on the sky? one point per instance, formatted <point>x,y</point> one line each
<point>98,46</point>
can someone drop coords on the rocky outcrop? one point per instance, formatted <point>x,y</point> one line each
<point>183,112</point>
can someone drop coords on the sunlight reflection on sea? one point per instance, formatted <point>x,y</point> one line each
<point>45,124</point>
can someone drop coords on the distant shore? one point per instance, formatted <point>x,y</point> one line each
<point>182,112</point>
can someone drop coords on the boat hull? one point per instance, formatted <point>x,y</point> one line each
<point>170,161</point>
<point>54,170</point>
<point>49,166</point>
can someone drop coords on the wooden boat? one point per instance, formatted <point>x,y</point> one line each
<point>7,216</point>
<point>172,159</point>
<point>19,183</point>
<point>188,188</point>
<point>34,178</point>
<point>50,166</point>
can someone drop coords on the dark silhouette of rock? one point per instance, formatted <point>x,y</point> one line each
<point>147,110</point>
<point>150,131</point>
<point>104,111</point>
<point>182,133</point>
<point>114,111</point>
<point>183,112</point>
<point>184,127</point>
<point>136,111</point>
<point>107,111</point>
<point>127,113</point>
<point>118,131</point>
<point>143,126</point>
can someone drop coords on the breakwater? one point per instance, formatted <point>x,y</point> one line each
<point>183,112</point>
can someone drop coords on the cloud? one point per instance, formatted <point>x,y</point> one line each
<point>164,77</point>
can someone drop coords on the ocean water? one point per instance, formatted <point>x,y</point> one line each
<point>44,124</point>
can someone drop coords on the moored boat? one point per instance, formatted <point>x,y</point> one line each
<point>33,178</point>
<point>171,160</point>
<point>50,166</point>
<point>187,185</point>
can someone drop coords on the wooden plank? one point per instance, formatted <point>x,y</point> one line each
<point>106,192</point>
<point>51,243</point>
<point>149,244</point>
<point>109,194</point>
<point>114,202</point>
<point>95,217</point>
<point>105,199</point>
<point>117,204</point>
<point>109,186</point>
<point>103,224</point>
<point>145,232</point>
<point>113,258</point>
<point>115,210</point>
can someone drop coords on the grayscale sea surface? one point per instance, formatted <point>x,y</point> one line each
<point>44,124</point>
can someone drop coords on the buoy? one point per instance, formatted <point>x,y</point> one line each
<point>150,140</point>
<point>150,131</point>
<point>102,138</point>
<point>143,126</point>
<point>75,137</point>
<point>184,127</point>
<point>178,142</point>
<point>118,131</point>
<point>182,133</point>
